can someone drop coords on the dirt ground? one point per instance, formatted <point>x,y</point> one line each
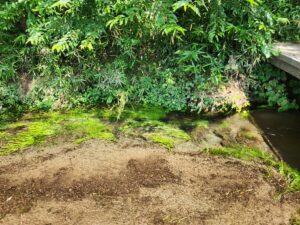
<point>132,182</point>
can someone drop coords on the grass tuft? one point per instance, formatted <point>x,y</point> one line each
<point>240,153</point>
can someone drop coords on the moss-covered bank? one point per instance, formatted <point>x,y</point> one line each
<point>152,124</point>
<point>291,175</point>
<point>34,129</point>
<point>230,137</point>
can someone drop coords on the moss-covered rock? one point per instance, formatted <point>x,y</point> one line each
<point>199,130</point>
<point>247,135</point>
<point>167,136</point>
<point>164,134</point>
<point>161,139</point>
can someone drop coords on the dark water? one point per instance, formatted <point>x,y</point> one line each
<point>283,131</point>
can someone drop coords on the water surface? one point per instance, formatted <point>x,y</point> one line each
<point>283,131</point>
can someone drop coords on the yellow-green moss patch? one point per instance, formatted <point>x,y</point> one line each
<point>167,136</point>
<point>155,131</point>
<point>202,124</point>
<point>136,113</point>
<point>90,128</point>
<point>245,114</point>
<point>145,113</point>
<point>248,134</point>
<point>161,139</point>
<point>33,133</point>
<point>224,125</point>
<point>37,128</point>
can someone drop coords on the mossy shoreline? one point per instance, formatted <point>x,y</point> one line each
<point>38,127</point>
<point>291,175</point>
<point>153,125</point>
<point>83,125</point>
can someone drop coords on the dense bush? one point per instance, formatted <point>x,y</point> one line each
<point>268,86</point>
<point>182,55</point>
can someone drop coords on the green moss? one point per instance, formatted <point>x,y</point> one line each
<point>3,134</point>
<point>248,134</point>
<point>291,175</point>
<point>224,125</point>
<point>90,128</point>
<point>175,133</point>
<point>37,128</point>
<point>295,221</point>
<point>85,124</point>
<point>16,125</point>
<point>155,131</point>
<point>129,126</point>
<point>240,153</point>
<point>202,124</point>
<point>163,134</point>
<point>137,113</point>
<point>33,133</point>
<point>106,136</point>
<point>107,114</point>
<point>245,114</point>
<point>145,113</point>
<point>162,140</point>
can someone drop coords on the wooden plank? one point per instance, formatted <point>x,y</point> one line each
<point>289,58</point>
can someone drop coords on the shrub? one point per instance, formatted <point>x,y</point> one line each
<point>168,53</point>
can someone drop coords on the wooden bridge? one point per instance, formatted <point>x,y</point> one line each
<point>289,58</point>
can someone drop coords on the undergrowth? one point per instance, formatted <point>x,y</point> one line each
<point>200,55</point>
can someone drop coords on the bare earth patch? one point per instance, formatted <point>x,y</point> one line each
<point>132,182</point>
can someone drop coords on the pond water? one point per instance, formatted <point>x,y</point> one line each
<point>283,132</point>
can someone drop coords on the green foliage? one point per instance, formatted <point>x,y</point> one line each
<point>269,85</point>
<point>10,99</point>
<point>173,54</point>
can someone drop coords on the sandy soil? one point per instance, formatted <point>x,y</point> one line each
<point>132,182</point>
